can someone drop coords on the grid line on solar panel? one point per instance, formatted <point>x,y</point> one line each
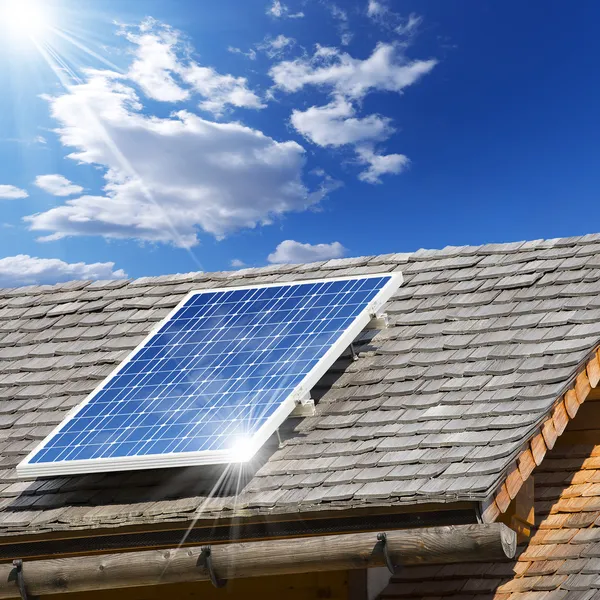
<point>214,372</point>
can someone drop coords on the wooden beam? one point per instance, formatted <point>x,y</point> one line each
<point>430,545</point>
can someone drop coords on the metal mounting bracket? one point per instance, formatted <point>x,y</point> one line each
<point>18,565</point>
<point>205,559</point>
<point>305,407</point>
<point>382,539</point>
<point>378,320</point>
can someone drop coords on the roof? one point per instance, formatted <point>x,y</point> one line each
<point>560,561</point>
<point>481,344</point>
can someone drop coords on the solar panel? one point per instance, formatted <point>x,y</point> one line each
<point>215,378</point>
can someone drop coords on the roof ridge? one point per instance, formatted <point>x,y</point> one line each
<point>336,263</point>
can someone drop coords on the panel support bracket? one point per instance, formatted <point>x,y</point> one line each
<point>305,407</point>
<point>389,563</point>
<point>205,559</point>
<point>378,320</point>
<point>18,575</point>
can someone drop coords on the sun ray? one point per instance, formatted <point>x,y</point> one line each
<point>58,65</point>
<point>34,21</point>
<point>71,38</point>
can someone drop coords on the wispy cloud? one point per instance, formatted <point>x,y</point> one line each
<point>236,263</point>
<point>408,27</point>
<point>272,47</point>
<point>275,47</point>
<point>387,69</point>
<point>27,270</point>
<point>290,251</point>
<point>11,192</point>
<point>405,27</point>
<point>251,54</point>
<point>36,140</point>
<point>341,16</point>
<point>279,10</point>
<point>57,185</point>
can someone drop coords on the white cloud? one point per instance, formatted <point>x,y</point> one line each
<point>40,139</point>
<point>290,251</point>
<point>336,124</point>
<point>11,192</point>
<point>380,164</point>
<point>57,185</point>
<point>156,62</point>
<point>163,70</point>
<point>274,47</point>
<point>220,90</point>
<point>349,80</point>
<point>236,263</point>
<point>280,11</point>
<point>168,178</point>
<point>26,270</point>
<point>386,69</point>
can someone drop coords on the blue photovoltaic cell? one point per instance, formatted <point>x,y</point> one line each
<point>213,373</point>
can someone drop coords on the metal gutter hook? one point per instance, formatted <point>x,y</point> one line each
<point>18,565</point>
<point>206,559</point>
<point>382,538</point>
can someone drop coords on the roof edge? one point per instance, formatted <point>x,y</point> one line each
<point>543,439</point>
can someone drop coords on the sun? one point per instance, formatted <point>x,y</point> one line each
<point>25,18</point>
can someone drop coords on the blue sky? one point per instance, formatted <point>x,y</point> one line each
<point>155,137</point>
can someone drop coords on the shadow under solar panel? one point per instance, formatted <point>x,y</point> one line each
<point>215,379</point>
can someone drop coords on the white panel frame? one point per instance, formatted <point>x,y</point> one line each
<point>26,469</point>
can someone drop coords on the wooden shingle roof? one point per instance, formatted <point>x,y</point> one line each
<point>482,343</point>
